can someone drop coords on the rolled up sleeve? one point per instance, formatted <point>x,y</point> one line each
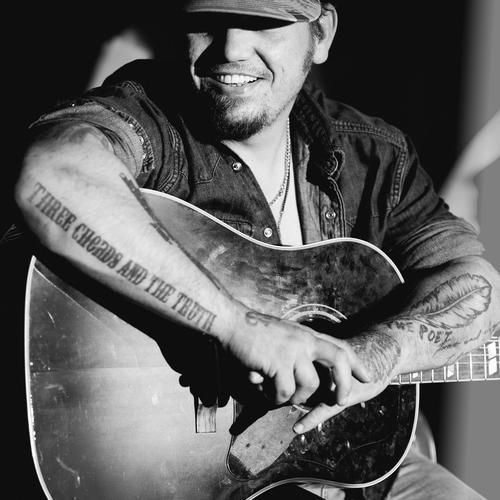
<point>130,142</point>
<point>142,136</point>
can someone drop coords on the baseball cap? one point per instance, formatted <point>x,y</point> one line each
<point>285,10</point>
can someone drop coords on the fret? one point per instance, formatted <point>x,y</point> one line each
<point>493,359</point>
<point>450,373</point>
<point>485,358</point>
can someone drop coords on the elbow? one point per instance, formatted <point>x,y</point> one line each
<point>28,187</point>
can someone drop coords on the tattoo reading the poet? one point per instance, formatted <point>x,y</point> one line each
<point>136,274</point>
<point>454,304</point>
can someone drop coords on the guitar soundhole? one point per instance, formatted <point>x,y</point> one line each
<point>317,316</point>
<point>318,324</point>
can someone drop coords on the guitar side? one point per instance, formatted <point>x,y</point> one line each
<point>109,418</point>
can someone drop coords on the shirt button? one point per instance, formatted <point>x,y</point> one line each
<point>268,232</point>
<point>237,166</point>
<point>330,214</point>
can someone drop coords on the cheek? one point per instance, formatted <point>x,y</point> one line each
<point>296,60</point>
<point>294,66</point>
<point>192,70</point>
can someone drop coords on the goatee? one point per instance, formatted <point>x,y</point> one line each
<point>219,110</point>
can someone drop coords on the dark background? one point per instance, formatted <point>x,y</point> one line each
<point>400,60</point>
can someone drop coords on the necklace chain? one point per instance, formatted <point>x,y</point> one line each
<point>286,173</point>
<point>285,184</point>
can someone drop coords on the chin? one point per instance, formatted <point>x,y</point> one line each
<point>237,130</point>
<point>228,123</point>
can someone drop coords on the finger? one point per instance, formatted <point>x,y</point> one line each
<point>255,378</point>
<point>306,383</point>
<point>342,376</point>
<point>316,416</point>
<point>284,385</point>
<point>359,370</point>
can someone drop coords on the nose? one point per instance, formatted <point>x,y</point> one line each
<point>237,44</point>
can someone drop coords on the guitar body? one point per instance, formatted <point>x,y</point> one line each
<point>110,419</point>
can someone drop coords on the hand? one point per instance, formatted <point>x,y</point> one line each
<point>381,354</point>
<point>281,354</point>
<point>360,393</point>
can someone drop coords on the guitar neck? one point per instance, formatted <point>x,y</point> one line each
<point>482,363</point>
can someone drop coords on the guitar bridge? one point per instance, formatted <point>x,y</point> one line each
<point>205,421</point>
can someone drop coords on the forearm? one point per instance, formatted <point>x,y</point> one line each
<point>83,204</point>
<point>447,312</point>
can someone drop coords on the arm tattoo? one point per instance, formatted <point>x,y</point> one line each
<point>379,352</point>
<point>254,318</point>
<point>51,207</point>
<point>160,229</point>
<point>453,304</point>
<point>136,274</point>
<point>137,193</point>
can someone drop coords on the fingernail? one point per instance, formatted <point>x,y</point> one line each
<point>298,428</point>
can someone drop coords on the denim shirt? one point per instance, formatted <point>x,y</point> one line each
<point>356,176</point>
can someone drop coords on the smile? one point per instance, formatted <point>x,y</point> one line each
<point>234,80</point>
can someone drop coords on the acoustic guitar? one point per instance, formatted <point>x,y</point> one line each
<point>115,399</point>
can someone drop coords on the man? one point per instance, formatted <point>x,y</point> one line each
<point>235,130</point>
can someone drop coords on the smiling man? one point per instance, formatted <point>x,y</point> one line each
<point>236,129</point>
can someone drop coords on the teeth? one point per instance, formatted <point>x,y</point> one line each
<point>235,79</point>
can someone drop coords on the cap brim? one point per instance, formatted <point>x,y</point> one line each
<point>267,9</point>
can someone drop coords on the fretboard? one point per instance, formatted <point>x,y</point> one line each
<point>480,364</point>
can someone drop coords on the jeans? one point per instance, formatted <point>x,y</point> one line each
<point>417,479</point>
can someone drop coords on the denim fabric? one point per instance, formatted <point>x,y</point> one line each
<point>357,176</point>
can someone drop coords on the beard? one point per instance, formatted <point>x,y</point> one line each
<point>224,121</point>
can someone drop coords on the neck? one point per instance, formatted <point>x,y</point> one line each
<point>264,152</point>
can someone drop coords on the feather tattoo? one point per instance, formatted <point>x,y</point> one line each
<point>455,303</point>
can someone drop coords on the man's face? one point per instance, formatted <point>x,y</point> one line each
<point>248,73</point>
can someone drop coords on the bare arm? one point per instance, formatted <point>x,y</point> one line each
<point>84,205</point>
<point>448,312</point>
